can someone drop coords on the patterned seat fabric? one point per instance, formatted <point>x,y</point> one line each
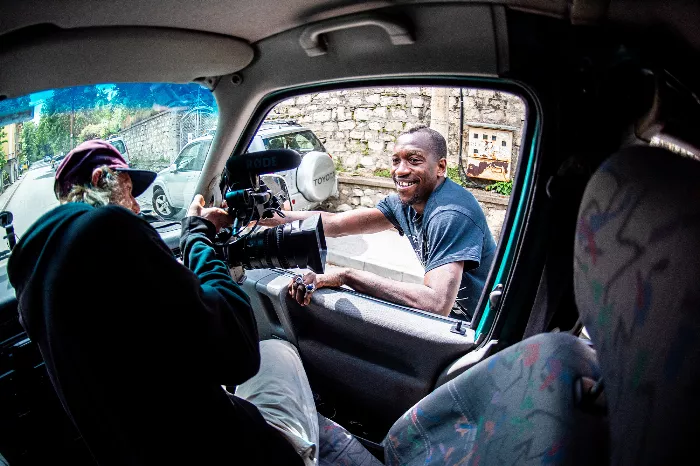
<point>516,407</point>
<point>637,287</point>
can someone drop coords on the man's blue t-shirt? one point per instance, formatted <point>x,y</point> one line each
<point>452,228</point>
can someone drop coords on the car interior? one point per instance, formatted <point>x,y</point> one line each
<point>599,239</point>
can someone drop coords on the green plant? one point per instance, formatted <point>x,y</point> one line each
<point>501,187</point>
<point>383,172</point>
<point>453,174</point>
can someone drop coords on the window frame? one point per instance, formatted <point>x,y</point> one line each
<point>485,318</point>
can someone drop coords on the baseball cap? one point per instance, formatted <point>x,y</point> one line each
<point>77,167</point>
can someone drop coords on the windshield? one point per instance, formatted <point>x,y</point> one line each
<point>149,123</point>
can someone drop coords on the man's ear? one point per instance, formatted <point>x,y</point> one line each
<point>96,175</point>
<point>442,167</point>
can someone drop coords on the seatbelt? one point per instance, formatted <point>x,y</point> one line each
<point>556,284</point>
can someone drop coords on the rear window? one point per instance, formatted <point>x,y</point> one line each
<point>118,145</point>
<point>304,141</point>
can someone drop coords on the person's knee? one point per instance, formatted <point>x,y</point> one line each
<point>279,349</point>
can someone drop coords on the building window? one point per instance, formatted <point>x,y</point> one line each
<point>476,136</point>
<point>476,151</point>
<point>493,138</point>
<point>503,143</point>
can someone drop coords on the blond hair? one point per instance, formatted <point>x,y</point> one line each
<point>97,196</point>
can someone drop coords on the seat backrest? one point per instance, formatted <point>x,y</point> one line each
<point>516,407</point>
<point>637,288</point>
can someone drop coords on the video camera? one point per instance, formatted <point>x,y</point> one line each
<point>298,244</point>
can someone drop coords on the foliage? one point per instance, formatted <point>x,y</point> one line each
<point>99,112</point>
<point>383,172</point>
<point>501,187</point>
<point>453,174</point>
<point>3,140</point>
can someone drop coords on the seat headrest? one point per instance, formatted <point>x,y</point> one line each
<point>637,287</point>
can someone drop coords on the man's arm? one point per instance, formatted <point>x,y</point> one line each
<point>352,222</point>
<point>437,294</point>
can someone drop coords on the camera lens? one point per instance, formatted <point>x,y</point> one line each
<point>297,244</point>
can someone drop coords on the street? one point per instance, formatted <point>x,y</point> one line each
<point>33,197</point>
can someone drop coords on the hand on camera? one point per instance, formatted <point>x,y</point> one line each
<point>219,217</point>
<point>272,222</point>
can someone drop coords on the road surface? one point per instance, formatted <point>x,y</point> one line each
<point>33,197</point>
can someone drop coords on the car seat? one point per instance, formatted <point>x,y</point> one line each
<point>516,407</point>
<point>637,288</point>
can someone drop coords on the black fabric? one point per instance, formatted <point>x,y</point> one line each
<point>452,228</point>
<point>138,346</point>
<point>554,303</point>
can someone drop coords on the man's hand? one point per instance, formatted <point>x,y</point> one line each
<point>219,217</point>
<point>272,222</point>
<point>301,292</point>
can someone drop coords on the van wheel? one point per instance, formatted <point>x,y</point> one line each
<point>162,205</point>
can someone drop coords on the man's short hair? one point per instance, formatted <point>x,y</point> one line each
<point>438,145</point>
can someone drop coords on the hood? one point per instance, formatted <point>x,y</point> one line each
<point>36,248</point>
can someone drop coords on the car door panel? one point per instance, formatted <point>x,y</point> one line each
<point>370,353</point>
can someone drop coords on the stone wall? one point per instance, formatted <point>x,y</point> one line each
<point>357,192</point>
<point>153,143</point>
<point>361,125</point>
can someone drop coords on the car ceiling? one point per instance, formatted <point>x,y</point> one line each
<point>246,21</point>
<point>253,20</point>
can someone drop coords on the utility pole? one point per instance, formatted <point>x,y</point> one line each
<point>439,110</point>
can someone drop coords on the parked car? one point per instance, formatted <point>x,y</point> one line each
<point>56,160</point>
<point>47,158</point>
<point>120,145</point>
<point>311,183</point>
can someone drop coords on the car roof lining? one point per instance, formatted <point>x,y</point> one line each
<point>216,21</point>
<point>116,54</point>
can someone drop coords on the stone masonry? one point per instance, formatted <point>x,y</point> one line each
<point>153,143</point>
<point>360,125</point>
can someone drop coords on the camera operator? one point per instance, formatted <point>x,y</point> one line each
<point>138,346</point>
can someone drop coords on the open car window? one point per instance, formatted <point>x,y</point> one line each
<point>482,130</point>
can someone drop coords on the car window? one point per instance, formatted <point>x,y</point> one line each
<point>154,120</point>
<point>202,155</point>
<point>302,142</point>
<point>119,145</point>
<point>481,132</point>
<point>187,159</point>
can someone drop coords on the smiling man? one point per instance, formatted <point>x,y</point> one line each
<point>442,220</point>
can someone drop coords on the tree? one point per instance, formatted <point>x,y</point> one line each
<point>31,146</point>
<point>3,155</point>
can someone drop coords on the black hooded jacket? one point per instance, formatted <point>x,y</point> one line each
<point>138,345</point>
